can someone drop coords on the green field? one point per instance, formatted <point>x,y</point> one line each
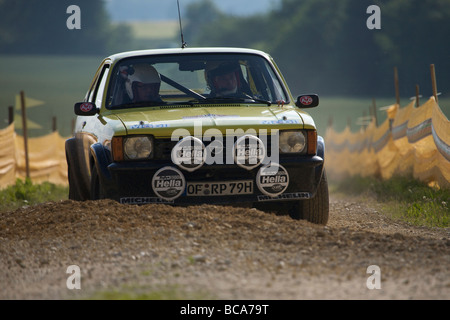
<point>154,29</point>
<point>60,81</point>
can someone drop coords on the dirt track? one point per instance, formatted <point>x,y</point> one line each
<point>212,252</point>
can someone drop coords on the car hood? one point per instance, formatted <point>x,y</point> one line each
<point>161,122</point>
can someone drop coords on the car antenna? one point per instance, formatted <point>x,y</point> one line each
<point>183,44</point>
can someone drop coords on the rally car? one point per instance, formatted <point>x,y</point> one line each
<point>197,125</point>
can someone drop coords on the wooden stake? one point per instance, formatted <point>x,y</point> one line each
<point>25,133</point>
<point>330,122</point>
<point>433,82</point>
<point>54,128</point>
<point>374,111</point>
<point>10,115</point>
<point>417,96</point>
<point>397,94</point>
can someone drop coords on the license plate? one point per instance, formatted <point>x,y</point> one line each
<point>219,188</point>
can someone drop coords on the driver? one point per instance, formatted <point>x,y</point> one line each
<point>143,85</point>
<point>224,79</point>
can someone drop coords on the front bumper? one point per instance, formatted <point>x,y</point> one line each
<point>134,182</point>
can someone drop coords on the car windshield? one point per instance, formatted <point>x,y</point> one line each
<point>190,79</point>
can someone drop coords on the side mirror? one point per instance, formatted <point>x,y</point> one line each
<point>307,101</point>
<point>85,109</point>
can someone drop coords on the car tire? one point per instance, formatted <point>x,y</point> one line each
<point>315,210</point>
<point>97,189</point>
<point>75,191</point>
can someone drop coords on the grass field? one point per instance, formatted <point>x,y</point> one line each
<point>154,29</point>
<point>60,81</point>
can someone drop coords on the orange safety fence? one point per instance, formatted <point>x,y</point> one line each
<point>411,141</point>
<point>46,158</point>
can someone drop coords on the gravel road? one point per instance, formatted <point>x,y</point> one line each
<point>214,252</point>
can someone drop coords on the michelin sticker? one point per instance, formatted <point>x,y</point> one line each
<point>168,183</point>
<point>272,180</point>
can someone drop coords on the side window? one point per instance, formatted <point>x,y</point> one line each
<point>101,86</point>
<point>92,91</point>
<point>97,89</point>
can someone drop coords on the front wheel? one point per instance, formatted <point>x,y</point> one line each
<point>97,189</point>
<point>315,210</point>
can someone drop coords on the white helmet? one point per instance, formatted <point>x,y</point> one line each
<point>144,73</point>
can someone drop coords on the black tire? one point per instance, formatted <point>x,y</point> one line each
<point>78,186</point>
<point>315,210</point>
<point>76,192</point>
<point>97,190</point>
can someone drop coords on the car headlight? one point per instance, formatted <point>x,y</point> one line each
<point>136,148</point>
<point>132,148</point>
<point>292,142</point>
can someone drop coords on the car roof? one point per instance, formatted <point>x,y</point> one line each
<point>136,53</point>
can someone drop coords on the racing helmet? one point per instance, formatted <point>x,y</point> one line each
<point>144,73</point>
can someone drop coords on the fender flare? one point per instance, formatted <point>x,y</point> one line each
<point>321,147</point>
<point>100,160</point>
<point>319,170</point>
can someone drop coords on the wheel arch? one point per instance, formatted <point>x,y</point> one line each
<point>100,159</point>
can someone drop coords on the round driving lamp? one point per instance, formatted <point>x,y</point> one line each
<point>138,147</point>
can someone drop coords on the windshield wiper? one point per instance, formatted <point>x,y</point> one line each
<point>235,99</point>
<point>182,103</point>
<point>139,104</point>
<point>269,103</point>
<point>224,99</point>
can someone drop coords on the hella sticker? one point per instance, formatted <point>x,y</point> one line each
<point>168,183</point>
<point>249,152</point>
<point>272,180</point>
<point>189,153</point>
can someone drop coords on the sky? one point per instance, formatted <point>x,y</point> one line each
<point>129,10</point>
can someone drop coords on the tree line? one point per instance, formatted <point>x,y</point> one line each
<point>326,46</point>
<point>40,27</point>
<point>321,46</point>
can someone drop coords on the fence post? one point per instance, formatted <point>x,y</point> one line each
<point>54,127</point>
<point>417,96</point>
<point>374,111</point>
<point>25,133</point>
<point>433,82</point>
<point>10,115</point>
<point>330,122</point>
<point>397,94</point>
